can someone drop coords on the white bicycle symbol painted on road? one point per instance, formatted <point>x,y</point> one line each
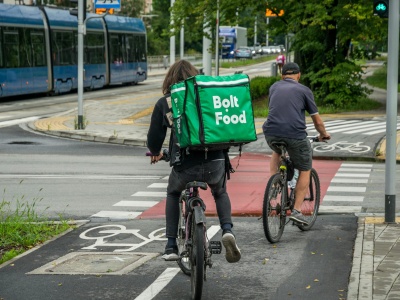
<point>108,231</point>
<point>343,146</point>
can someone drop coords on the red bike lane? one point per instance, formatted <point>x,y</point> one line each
<point>247,185</point>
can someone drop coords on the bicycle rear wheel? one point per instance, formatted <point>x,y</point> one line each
<point>273,215</point>
<point>311,202</point>
<point>183,261</point>
<point>197,259</point>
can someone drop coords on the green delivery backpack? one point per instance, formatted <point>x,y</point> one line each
<point>213,112</point>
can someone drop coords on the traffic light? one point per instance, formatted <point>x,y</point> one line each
<point>381,8</point>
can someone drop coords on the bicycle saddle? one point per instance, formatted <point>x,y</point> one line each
<point>199,184</point>
<point>279,144</point>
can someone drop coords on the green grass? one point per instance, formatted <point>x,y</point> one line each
<point>22,227</point>
<point>245,62</point>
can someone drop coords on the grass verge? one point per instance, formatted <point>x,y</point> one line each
<point>22,227</point>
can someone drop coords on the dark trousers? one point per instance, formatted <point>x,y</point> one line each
<point>212,172</point>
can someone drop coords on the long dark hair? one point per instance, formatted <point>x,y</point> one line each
<point>179,71</point>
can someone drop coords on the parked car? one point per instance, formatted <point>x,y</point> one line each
<point>266,50</point>
<point>243,52</point>
<point>282,48</point>
<point>275,49</point>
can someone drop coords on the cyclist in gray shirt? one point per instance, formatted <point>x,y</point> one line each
<point>288,102</point>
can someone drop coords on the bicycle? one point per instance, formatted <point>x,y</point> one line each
<point>195,249</point>
<point>279,199</point>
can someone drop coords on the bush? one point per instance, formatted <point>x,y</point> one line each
<point>259,86</point>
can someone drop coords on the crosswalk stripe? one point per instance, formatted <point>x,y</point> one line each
<point>349,189</point>
<point>158,185</point>
<point>350,180</point>
<point>379,131</point>
<point>117,214</point>
<point>136,203</point>
<point>150,194</point>
<point>339,209</point>
<point>353,175</point>
<point>357,165</point>
<point>343,198</point>
<point>354,170</point>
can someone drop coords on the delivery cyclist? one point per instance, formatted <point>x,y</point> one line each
<point>196,165</point>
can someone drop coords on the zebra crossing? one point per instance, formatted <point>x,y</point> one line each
<point>137,206</point>
<point>371,127</point>
<point>345,194</point>
<point>347,189</point>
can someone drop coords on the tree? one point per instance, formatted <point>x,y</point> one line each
<point>132,8</point>
<point>323,34</point>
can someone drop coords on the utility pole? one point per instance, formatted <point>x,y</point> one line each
<point>217,42</point>
<point>172,41</point>
<point>391,112</point>
<point>81,32</point>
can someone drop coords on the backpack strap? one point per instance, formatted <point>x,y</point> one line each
<point>168,115</point>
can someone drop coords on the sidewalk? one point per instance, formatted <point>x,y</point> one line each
<point>376,262</point>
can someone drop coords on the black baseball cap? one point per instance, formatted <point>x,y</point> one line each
<point>290,69</point>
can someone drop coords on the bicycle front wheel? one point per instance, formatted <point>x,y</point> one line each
<point>273,215</point>
<point>197,259</point>
<point>311,202</point>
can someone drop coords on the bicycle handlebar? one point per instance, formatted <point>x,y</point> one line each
<point>315,139</point>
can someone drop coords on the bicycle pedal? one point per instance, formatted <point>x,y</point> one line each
<point>215,247</point>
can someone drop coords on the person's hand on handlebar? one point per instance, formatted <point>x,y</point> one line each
<point>154,159</point>
<point>324,137</point>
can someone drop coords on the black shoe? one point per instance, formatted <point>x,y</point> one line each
<point>232,251</point>
<point>171,253</point>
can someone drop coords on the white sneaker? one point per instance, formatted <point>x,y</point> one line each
<point>232,251</point>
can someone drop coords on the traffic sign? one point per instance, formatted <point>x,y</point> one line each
<point>107,4</point>
<point>270,13</point>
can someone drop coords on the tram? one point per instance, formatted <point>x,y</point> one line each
<point>39,51</point>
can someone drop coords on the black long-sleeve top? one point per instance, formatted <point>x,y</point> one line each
<point>157,132</point>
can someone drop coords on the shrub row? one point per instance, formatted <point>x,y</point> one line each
<point>259,86</point>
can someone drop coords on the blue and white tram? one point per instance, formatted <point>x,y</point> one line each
<point>39,51</point>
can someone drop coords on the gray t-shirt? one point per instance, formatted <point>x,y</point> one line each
<point>288,102</point>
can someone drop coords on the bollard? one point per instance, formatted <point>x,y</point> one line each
<point>165,61</point>
<point>274,69</point>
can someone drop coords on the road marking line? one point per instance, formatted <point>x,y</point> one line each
<point>160,283</point>
<point>351,180</point>
<point>357,165</point>
<point>18,121</point>
<point>339,209</point>
<point>344,198</point>
<point>158,185</point>
<point>341,169</point>
<point>136,203</point>
<point>117,214</point>
<point>353,175</point>
<point>150,194</point>
<point>166,277</point>
<point>351,189</point>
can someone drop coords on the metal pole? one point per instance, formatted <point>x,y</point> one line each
<point>81,32</point>
<point>255,31</point>
<point>207,57</point>
<point>217,42</point>
<point>182,40</point>
<point>391,112</point>
<point>172,41</point>
<point>266,37</point>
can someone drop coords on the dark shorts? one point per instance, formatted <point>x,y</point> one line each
<point>300,151</point>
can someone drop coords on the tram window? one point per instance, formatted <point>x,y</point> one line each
<point>142,48</point>
<point>64,48</point>
<point>25,48</point>
<point>38,48</point>
<point>94,48</point>
<point>11,48</point>
<point>130,48</point>
<point>1,49</point>
<point>118,53</point>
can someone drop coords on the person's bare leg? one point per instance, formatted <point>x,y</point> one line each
<point>301,188</point>
<point>274,163</point>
